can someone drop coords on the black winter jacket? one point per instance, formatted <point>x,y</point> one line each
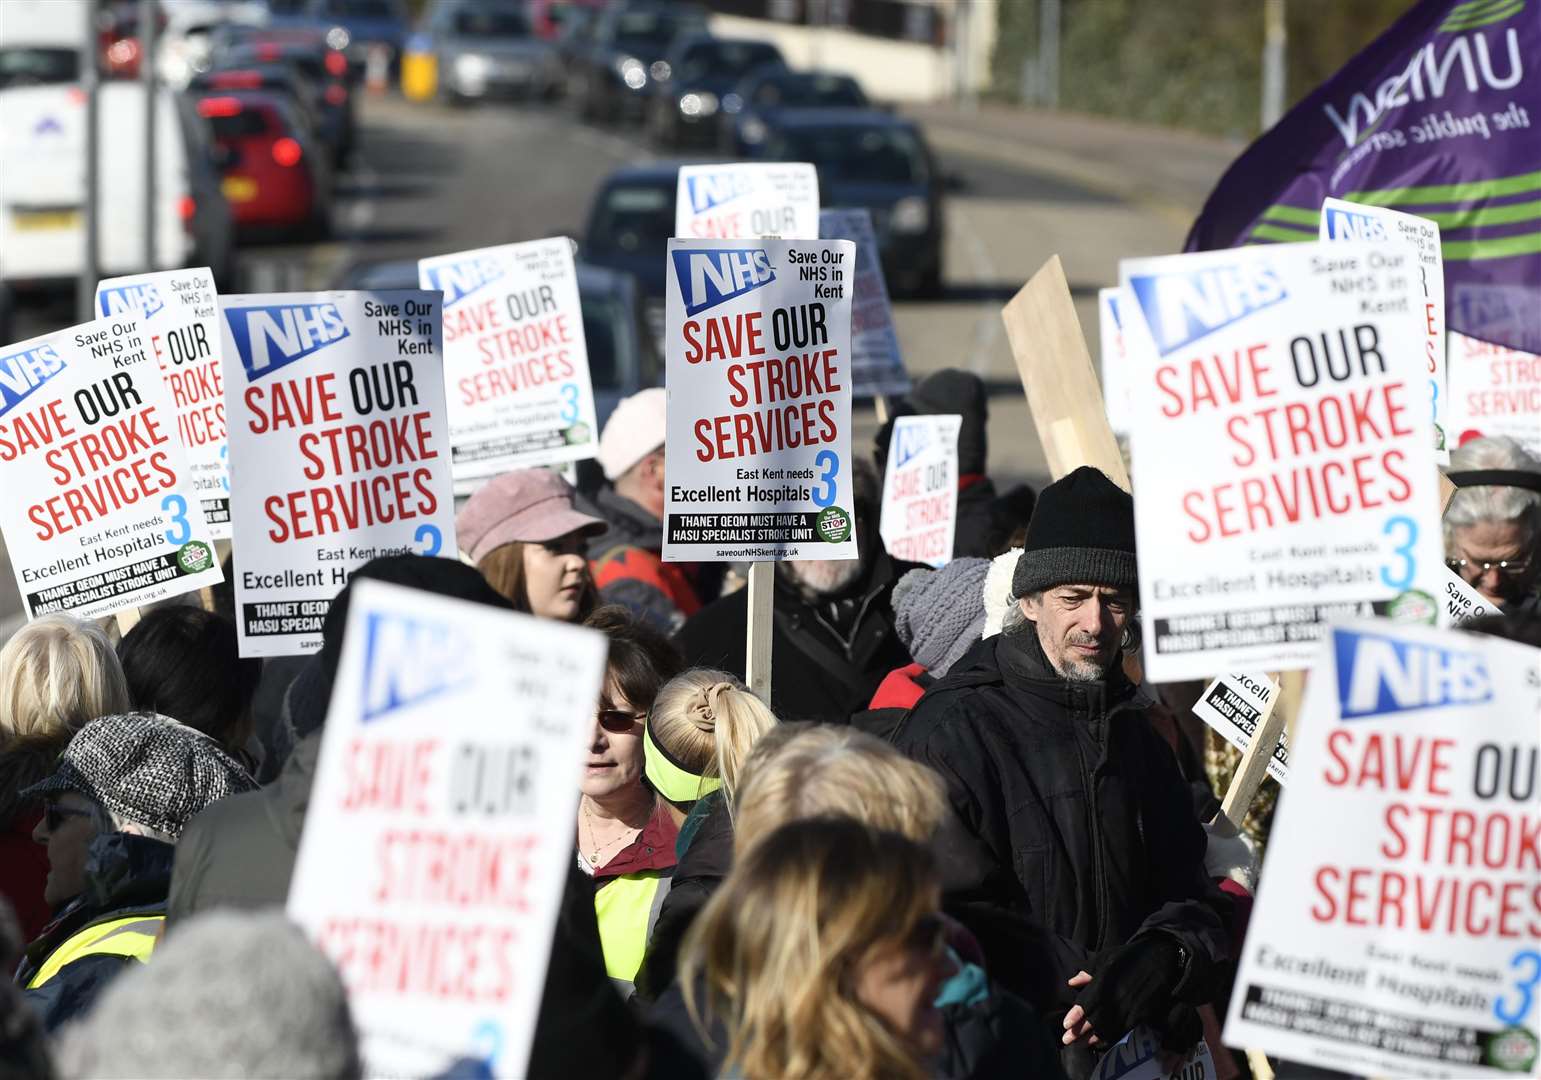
<point>126,876</point>
<point>1072,830</point>
<point>706,855</point>
<point>828,657</point>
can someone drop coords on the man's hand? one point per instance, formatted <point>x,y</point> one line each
<point>1077,1027</point>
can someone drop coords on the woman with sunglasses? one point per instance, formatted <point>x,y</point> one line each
<point>626,834</point>
<point>822,955</point>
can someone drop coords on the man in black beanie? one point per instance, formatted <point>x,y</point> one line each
<point>1072,852</point>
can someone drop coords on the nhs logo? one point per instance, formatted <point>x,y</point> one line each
<point>711,190</point>
<point>268,338</point>
<point>707,278</point>
<point>1182,306</point>
<point>459,279</point>
<point>409,660</point>
<point>23,372</point>
<point>910,441</point>
<point>1379,674</point>
<point>141,300</point>
<point>1347,225</point>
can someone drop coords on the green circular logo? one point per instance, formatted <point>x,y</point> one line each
<point>1439,437</point>
<point>833,524</point>
<point>194,556</point>
<point>578,433</point>
<point>1513,1050</point>
<point>1413,606</point>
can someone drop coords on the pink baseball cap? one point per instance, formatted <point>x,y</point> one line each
<point>525,505</point>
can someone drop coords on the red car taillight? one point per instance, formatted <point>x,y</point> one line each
<point>210,108</point>
<point>287,152</point>
<point>336,63</point>
<point>236,80</point>
<point>337,94</point>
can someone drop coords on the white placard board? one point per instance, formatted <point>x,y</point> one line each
<point>1462,602</point>
<point>1114,360</point>
<point>1396,925</point>
<point>920,489</point>
<point>1287,474</point>
<point>434,854</point>
<point>1351,221</point>
<point>747,200</point>
<point>877,367</point>
<point>1137,1057</point>
<point>339,449</point>
<point>1233,705</point>
<point>99,513</point>
<point>179,310</point>
<point>758,345</point>
<point>516,367</point>
<point>1494,391</point>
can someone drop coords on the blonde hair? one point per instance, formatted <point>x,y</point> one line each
<point>708,721</point>
<point>57,674</point>
<point>776,951</point>
<point>838,771</point>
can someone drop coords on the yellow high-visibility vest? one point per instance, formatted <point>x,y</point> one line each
<point>130,936</point>
<point>627,907</point>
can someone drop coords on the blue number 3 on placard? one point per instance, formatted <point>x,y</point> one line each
<point>176,507</point>
<point>1403,551</point>
<point>824,493</point>
<point>1525,988</point>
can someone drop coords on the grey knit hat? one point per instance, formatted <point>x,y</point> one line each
<point>146,768</point>
<point>1082,532</point>
<point>940,614</point>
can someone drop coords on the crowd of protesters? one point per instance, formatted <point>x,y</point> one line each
<point>962,839</point>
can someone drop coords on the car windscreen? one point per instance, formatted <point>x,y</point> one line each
<point>808,91</point>
<point>603,331</point>
<point>491,23</point>
<point>886,155</point>
<point>35,66</point>
<point>647,31</point>
<point>714,59</point>
<point>633,220</point>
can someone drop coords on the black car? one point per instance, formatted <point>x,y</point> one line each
<point>689,86</point>
<point>621,52</point>
<point>874,159</point>
<point>751,107</point>
<point>322,74</point>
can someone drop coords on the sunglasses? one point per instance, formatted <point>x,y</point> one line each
<point>617,722</point>
<point>54,815</point>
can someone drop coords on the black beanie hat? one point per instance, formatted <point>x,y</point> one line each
<point>943,393</point>
<point>1082,532</point>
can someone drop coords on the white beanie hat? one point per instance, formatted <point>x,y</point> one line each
<point>634,431</point>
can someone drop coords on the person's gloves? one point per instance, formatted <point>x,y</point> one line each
<point>1134,985</point>
<point>1181,1029</point>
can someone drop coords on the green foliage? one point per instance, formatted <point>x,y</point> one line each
<point>1194,64</point>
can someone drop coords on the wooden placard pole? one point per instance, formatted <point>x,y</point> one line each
<point>757,657</point>
<point>126,620</point>
<point>1446,493</point>
<point>1057,375</point>
<point>880,408</point>
<point>1253,768</point>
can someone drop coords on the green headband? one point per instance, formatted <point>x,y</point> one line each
<point>671,779</point>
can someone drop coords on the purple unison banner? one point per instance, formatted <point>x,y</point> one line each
<point>1440,117</point>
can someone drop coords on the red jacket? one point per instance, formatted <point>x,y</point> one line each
<point>23,871</point>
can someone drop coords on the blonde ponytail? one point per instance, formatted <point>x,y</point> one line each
<point>705,722</point>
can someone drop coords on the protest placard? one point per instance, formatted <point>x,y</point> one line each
<point>747,200</point>
<point>920,489</point>
<point>1494,391</point>
<point>179,311</point>
<point>1287,472</point>
<point>758,461</point>
<point>99,514</point>
<point>1234,705</point>
<point>1462,602</point>
<point>1397,918</point>
<point>1115,362</point>
<point>433,859</point>
<point>339,449</point>
<point>1425,300</point>
<point>1136,1057</point>
<point>516,366</point>
<point>877,368</point>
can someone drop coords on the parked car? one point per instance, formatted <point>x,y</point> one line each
<point>368,25</point>
<point>621,51</point>
<point>489,50</point>
<point>323,78</point>
<point>573,24</point>
<point>275,175</point>
<point>622,356</point>
<point>751,106</point>
<point>697,74</point>
<point>874,159</point>
<point>187,41</point>
<point>42,189</point>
